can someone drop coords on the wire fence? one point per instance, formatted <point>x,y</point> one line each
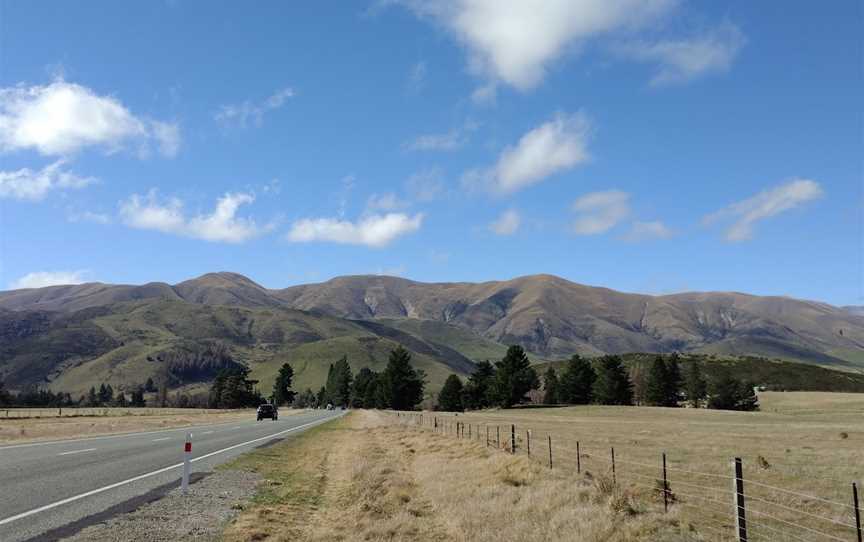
<point>732,498</point>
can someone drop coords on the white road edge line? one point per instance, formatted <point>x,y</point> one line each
<point>160,439</point>
<point>78,451</point>
<point>206,432</point>
<point>153,473</point>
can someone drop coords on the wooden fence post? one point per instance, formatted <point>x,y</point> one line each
<point>578,459</point>
<point>738,500</point>
<point>487,436</point>
<point>550,450</point>
<point>665,486</point>
<point>498,436</point>
<point>857,509</point>
<point>614,480</point>
<point>512,438</point>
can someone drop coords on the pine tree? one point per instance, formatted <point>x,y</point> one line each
<point>697,388</point>
<point>551,387</point>
<point>365,378</point>
<point>92,398</point>
<point>138,397</point>
<point>514,377</point>
<point>657,384</point>
<point>120,400</point>
<point>5,396</point>
<point>577,382</point>
<point>150,387</point>
<point>674,381</point>
<point>339,381</point>
<point>321,397</point>
<point>612,386</point>
<point>282,392</point>
<point>402,385</point>
<point>729,393</point>
<point>450,396</point>
<point>305,399</point>
<point>476,393</point>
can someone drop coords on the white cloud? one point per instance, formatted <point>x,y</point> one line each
<point>599,212</point>
<point>646,231</point>
<point>41,279</point>
<point>748,212</point>
<point>26,184</point>
<point>425,185</point>
<point>249,111</point>
<point>62,118</point>
<point>680,61</point>
<point>552,147</point>
<point>417,76</point>
<point>89,216</point>
<point>385,202</point>
<point>507,223</point>
<point>372,230</point>
<point>453,140</point>
<point>516,41</point>
<point>222,225</point>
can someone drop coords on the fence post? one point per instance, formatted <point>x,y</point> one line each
<point>614,480</point>
<point>469,431</point>
<point>550,450</point>
<point>487,436</point>
<point>435,421</point>
<point>498,436</point>
<point>738,500</point>
<point>857,509</point>
<point>578,459</point>
<point>665,486</point>
<point>528,440</point>
<point>512,438</point>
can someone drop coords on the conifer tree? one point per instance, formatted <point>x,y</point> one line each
<point>282,392</point>
<point>657,384</point>
<point>477,392</point>
<point>450,396</point>
<point>612,386</point>
<point>696,386</point>
<point>577,381</point>
<point>551,387</point>
<point>401,384</point>
<point>514,377</point>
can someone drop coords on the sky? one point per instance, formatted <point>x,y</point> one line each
<point>651,146</point>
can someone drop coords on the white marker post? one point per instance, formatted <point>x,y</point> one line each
<point>187,463</point>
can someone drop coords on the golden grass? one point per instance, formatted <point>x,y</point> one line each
<point>365,478</point>
<point>811,444</point>
<point>17,430</point>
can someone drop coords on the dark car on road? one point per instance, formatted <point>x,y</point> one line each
<point>268,411</point>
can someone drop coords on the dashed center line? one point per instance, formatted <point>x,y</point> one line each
<point>161,439</point>
<point>78,451</point>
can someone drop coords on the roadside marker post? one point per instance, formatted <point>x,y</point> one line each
<point>187,463</point>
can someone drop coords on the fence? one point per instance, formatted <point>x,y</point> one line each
<point>731,502</point>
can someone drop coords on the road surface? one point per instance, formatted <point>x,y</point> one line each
<point>53,489</point>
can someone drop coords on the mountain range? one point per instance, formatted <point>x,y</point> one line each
<point>71,336</point>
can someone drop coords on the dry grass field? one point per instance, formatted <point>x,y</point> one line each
<point>45,424</point>
<point>366,477</point>
<point>800,456</point>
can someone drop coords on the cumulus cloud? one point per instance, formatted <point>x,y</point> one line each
<point>375,230</point>
<point>516,41</point>
<point>250,112</point>
<point>27,184</point>
<point>646,231</point>
<point>62,118</point>
<point>506,224</point>
<point>599,212</point>
<point>552,147</point>
<point>679,61</point>
<point>222,225</point>
<point>41,279</point>
<point>747,213</point>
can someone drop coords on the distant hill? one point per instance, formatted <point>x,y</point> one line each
<point>74,335</point>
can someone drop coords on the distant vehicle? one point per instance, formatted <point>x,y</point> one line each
<point>329,406</point>
<point>268,411</point>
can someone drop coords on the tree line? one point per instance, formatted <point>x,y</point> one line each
<point>605,381</point>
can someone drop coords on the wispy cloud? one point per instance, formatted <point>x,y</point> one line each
<point>376,230</point>
<point>425,185</point>
<point>554,146</point>
<point>41,279</point>
<point>27,184</point>
<point>417,76</point>
<point>599,212</point>
<point>647,231</point>
<point>453,140</point>
<point>506,224</point>
<point>90,216</point>
<point>249,112</point>
<point>682,60</point>
<point>221,225</point>
<point>62,118</point>
<point>747,213</point>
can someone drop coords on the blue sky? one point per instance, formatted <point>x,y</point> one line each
<point>653,146</point>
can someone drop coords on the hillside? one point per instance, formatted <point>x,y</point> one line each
<point>549,316</point>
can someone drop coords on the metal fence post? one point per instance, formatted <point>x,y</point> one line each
<point>578,459</point>
<point>487,436</point>
<point>550,450</point>
<point>528,440</point>
<point>665,486</point>
<point>614,480</point>
<point>738,500</point>
<point>857,509</point>
<point>498,436</point>
<point>512,438</point>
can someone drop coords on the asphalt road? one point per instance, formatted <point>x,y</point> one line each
<point>52,489</point>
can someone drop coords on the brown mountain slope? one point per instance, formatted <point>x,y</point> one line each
<point>550,316</point>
